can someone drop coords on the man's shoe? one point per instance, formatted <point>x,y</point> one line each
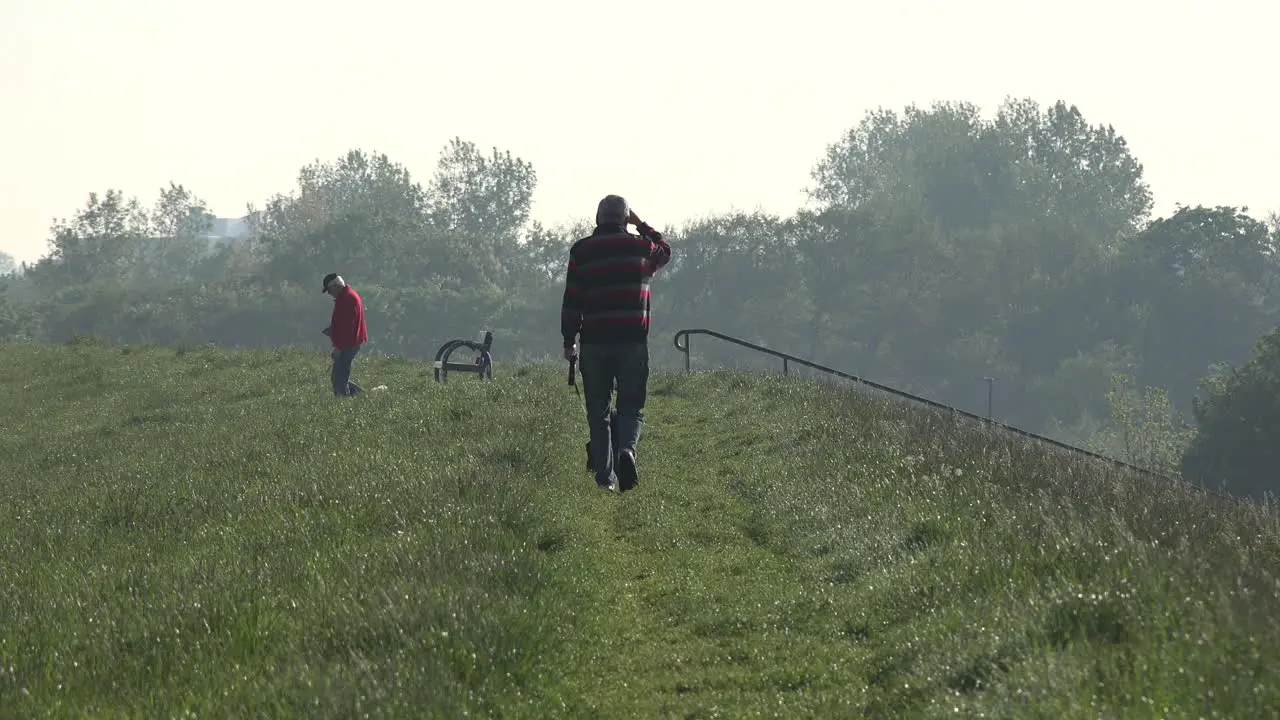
<point>628,478</point>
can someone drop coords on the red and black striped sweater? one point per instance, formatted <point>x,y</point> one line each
<point>606,288</point>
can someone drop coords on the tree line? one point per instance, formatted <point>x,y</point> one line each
<point>938,247</point>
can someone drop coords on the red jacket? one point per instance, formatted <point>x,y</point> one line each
<point>346,328</point>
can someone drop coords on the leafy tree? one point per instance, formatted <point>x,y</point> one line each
<point>965,172</point>
<point>871,275</point>
<point>177,245</point>
<point>1143,428</point>
<point>178,213</point>
<point>545,250</point>
<point>478,207</point>
<point>926,159</point>
<point>18,321</point>
<point>99,243</point>
<point>1066,167</point>
<point>1238,420</point>
<point>362,213</point>
<point>994,222</point>
<point>733,272</point>
<point>485,196</point>
<point>1076,391</point>
<point>1200,287</point>
<point>7,264</point>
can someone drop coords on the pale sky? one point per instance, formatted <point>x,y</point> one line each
<point>686,108</point>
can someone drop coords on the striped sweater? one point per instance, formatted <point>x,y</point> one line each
<point>606,288</point>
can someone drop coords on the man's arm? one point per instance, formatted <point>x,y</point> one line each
<point>660,253</point>
<point>659,250</point>
<point>571,305</point>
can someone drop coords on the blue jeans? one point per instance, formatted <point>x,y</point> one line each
<point>341,373</point>
<point>602,366</point>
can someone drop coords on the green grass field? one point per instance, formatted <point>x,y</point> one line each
<point>210,533</point>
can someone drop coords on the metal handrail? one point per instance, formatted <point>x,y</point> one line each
<point>787,359</point>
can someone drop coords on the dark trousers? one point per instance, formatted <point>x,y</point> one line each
<point>341,373</point>
<point>604,366</point>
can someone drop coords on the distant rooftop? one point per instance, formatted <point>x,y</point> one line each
<point>229,227</point>
<point>222,229</point>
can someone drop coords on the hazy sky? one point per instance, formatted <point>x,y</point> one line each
<point>685,107</point>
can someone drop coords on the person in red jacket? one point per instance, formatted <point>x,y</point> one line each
<point>346,331</point>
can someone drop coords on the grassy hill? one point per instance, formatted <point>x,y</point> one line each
<point>209,532</point>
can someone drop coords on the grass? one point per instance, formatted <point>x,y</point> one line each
<point>207,532</point>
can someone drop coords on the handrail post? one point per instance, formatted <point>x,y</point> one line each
<point>688,351</point>
<point>784,367</point>
<point>682,348</point>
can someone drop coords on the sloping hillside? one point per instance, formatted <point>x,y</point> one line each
<point>209,532</point>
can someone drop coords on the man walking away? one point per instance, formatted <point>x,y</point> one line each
<point>606,311</point>
<point>346,331</point>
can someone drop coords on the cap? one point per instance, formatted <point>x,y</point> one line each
<point>332,279</point>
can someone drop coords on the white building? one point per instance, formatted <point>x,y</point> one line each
<point>226,230</point>
<point>229,227</point>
